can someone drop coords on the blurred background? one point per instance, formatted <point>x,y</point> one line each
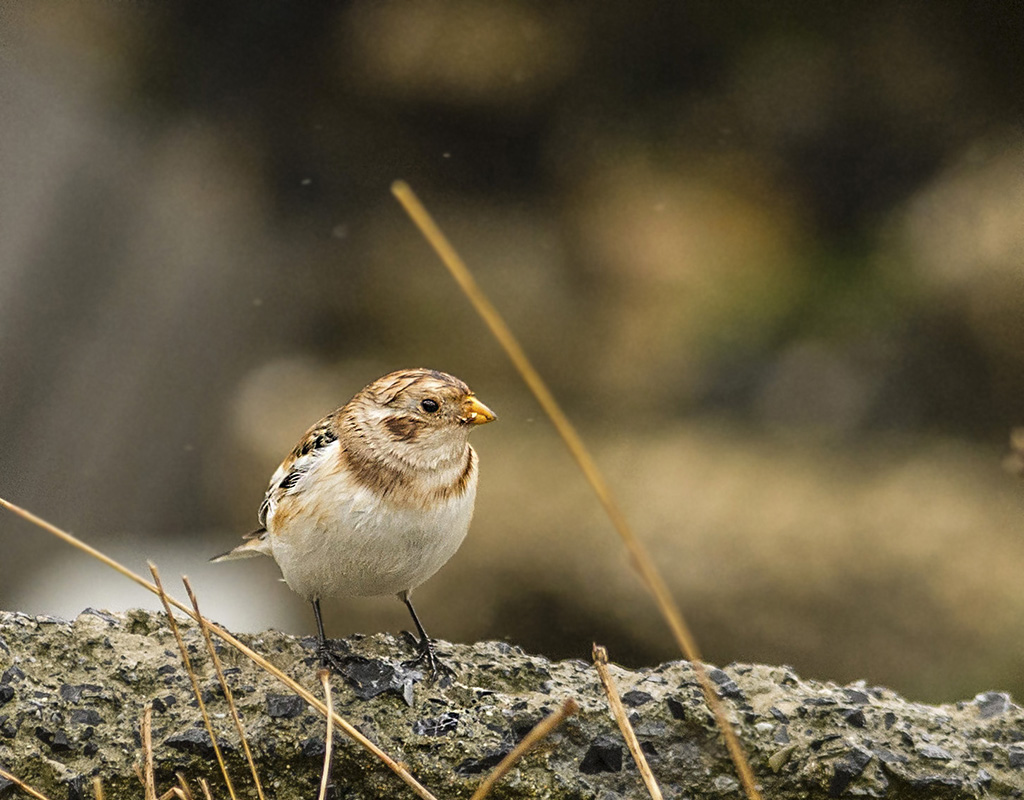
<point>770,257</point>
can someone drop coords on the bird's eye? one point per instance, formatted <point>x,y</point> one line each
<point>429,405</point>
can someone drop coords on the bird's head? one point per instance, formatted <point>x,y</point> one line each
<point>424,409</point>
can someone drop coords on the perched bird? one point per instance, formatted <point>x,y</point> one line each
<point>377,495</point>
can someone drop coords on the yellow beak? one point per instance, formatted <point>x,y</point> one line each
<point>476,413</point>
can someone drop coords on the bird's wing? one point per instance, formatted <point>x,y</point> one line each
<point>307,452</point>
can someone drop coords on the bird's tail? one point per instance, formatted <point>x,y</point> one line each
<point>255,544</point>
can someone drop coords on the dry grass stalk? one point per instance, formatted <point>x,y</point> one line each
<point>619,712</point>
<point>193,678</point>
<point>325,680</point>
<point>224,686</point>
<point>222,634</point>
<point>149,781</point>
<point>97,788</point>
<point>174,791</point>
<point>539,731</point>
<point>22,785</point>
<point>641,560</point>
<point>206,788</point>
<point>185,791</point>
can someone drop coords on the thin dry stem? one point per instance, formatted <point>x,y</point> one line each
<point>638,553</point>
<point>224,686</point>
<point>325,779</point>
<point>97,788</point>
<point>222,634</point>
<point>22,785</point>
<point>206,788</point>
<point>539,731</point>
<point>147,752</point>
<point>184,786</point>
<point>174,791</point>
<point>193,678</point>
<point>619,712</point>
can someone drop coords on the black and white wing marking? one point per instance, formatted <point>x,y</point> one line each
<point>287,476</point>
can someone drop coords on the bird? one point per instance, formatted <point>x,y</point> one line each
<point>376,497</point>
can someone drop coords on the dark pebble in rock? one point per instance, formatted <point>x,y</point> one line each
<point>11,674</point>
<point>436,726</point>
<point>847,770</point>
<point>889,757</point>
<point>636,698</point>
<point>370,678</point>
<point>86,716</point>
<point>604,755</point>
<point>523,724</point>
<point>854,716</point>
<point>167,669</point>
<point>727,687</point>
<point>191,740</point>
<point>992,704</point>
<point>6,694</point>
<point>161,704</point>
<point>76,789</point>
<point>934,752</point>
<point>284,706</point>
<point>817,744</point>
<point>313,747</point>
<point>72,694</point>
<point>936,785</point>
<point>111,620</point>
<point>649,749</point>
<point>60,743</point>
<point>1016,758</point>
<point>779,715</point>
<point>676,709</point>
<point>856,697</point>
<point>475,766</point>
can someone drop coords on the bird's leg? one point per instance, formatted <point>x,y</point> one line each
<point>328,658</point>
<point>426,647</point>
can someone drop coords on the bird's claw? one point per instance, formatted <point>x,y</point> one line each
<point>437,670</point>
<point>330,659</point>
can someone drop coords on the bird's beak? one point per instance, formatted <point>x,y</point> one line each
<point>476,413</point>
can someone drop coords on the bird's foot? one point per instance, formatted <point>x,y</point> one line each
<point>329,655</point>
<point>428,658</point>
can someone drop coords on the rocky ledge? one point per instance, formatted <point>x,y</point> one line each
<point>72,695</point>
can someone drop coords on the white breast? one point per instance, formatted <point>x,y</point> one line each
<point>334,538</point>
